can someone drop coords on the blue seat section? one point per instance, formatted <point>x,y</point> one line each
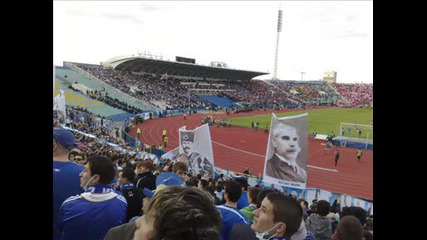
<point>219,101</point>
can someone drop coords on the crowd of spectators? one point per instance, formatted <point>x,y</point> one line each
<point>149,87</point>
<point>356,93</point>
<point>256,92</point>
<point>315,92</point>
<point>132,177</point>
<point>179,93</point>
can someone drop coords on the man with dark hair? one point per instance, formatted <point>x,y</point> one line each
<point>66,180</point>
<point>243,200</point>
<point>229,212</point>
<point>145,177</point>
<point>318,223</point>
<point>304,206</point>
<point>279,216</point>
<point>251,196</point>
<point>349,228</point>
<point>77,156</point>
<point>132,194</point>
<point>73,152</point>
<point>179,213</point>
<point>337,156</point>
<point>244,231</point>
<point>181,169</point>
<point>91,214</point>
<point>357,212</point>
<point>283,164</point>
<point>261,195</point>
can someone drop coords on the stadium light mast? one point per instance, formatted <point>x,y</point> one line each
<point>302,75</point>
<point>276,58</point>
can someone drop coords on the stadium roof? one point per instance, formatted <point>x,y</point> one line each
<point>157,66</point>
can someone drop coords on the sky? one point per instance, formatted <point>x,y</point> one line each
<point>316,36</point>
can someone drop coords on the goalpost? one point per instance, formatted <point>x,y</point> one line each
<point>358,132</point>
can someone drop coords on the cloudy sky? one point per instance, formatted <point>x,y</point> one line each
<point>316,36</point>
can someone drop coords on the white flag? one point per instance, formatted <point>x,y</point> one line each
<point>164,76</point>
<point>287,151</point>
<point>59,106</point>
<point>172,155</point>
<point>54,79</point>
<point>197,146</point>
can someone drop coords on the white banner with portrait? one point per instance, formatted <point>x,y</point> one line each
<point>287,151</point>
<point>59,107</point>
<point>172,155</point>
<point>197,146</point>
<point>54,79</point>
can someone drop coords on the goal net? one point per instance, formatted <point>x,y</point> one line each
<point>357,132</point>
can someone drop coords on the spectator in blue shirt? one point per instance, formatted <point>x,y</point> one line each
<point>91,214</point>
<point>243,200</point>
<point>229,212</point>
<point>66,180</point>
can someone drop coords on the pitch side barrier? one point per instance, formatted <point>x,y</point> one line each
<point>353,142</point>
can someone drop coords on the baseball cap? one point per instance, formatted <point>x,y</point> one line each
<point>64,137</point>
<point>75,151</point>
<point>79,145</point>
<point>165,179</point>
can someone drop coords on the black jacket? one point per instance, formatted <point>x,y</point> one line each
<point>134,198</point>
<point>242,231</point>
<point>146,180</point>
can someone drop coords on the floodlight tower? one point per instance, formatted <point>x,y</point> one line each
<point>276,58</point>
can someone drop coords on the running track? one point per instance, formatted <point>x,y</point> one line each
<point>236,148</point>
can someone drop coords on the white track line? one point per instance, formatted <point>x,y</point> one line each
<point>258,155</point>
<point>326,169</point>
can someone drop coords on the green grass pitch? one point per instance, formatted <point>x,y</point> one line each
<point>321,120</point>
